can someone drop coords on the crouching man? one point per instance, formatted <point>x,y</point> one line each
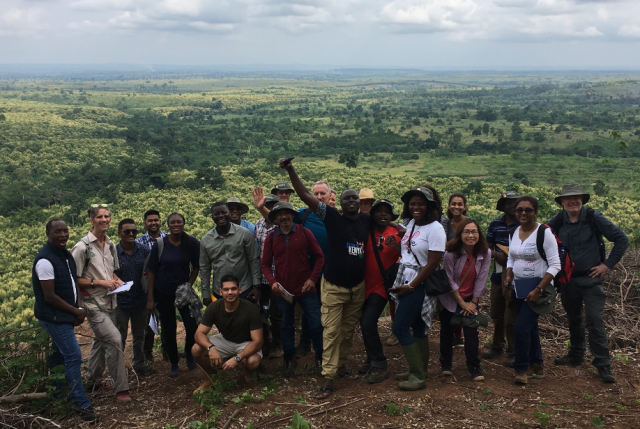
<point>239,341</point>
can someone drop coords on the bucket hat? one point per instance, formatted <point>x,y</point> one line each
<point>571,190</point>
<point>418,190</point>
<point>509,195</point>
<point>282,186</point>
<point>384,201</point>
<point>243,207</point>
<point>546,302</point>
<point>366,194</point>
<point>281,205</point>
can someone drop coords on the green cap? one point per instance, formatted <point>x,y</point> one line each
<point>281,205</point>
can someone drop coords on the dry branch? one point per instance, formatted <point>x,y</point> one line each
<point>25,397</point>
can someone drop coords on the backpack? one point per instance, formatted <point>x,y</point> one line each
<point>144,281</point>
<point>594,230</point>
<point>566,264</point>
<point>304,215</point>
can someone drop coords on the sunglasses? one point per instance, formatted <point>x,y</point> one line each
<point>101,205</point>
<point>130,231</point>
<point>521,210</point>
<point>380,241</point>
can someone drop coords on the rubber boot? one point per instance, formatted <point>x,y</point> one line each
<point>416,369</point>
<point>423,345</point>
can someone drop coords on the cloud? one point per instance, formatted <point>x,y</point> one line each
<point>17,22</point>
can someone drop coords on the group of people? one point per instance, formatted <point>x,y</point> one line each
<point>341,268</point>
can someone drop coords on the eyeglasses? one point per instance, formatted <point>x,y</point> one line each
<point>130,231</point>
<point>380,241</point>
<point>100,205</point>
<point>521,210</point>
<point>470,231</point>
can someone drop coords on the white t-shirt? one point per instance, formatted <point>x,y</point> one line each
<point>425,238</point>
<point>525,260</point>
<point>44,270</point>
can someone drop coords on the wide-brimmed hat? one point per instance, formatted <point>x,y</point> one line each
<point>571,190</point>
<point>243,207</point>
<point>509,195</point>
<point>384,201</point>
<point>282,186</point>
<point>281,205</point>
<point>546,302</point>
<point>418,190</point>
<point>271,199</point>
<point>366,194</point>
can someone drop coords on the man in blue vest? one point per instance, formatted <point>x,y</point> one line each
<point>58,309</point>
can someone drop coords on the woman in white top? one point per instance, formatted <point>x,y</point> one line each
<point>422,248</point>
<point>530,274</point>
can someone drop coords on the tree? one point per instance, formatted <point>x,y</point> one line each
<point>350,159</point>
<point>2,117</point>
<point>485,128</point>
<point>600,188</point>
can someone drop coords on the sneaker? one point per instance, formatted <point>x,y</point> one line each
<point>377,375</point>
<point>476,374</point>
<point>123,396</point>
<point>276,353</point>
<point>492,353</point>
<point>458,342</point>
<point>446,371</point>
<point>392,340</point>
<point>521,378</point>
<point>569,360</point>
<point>303,350</point>
<point>175,370</point>
<point>87,414</point>
<point>605,374</point>
<point>510,361</point>
<point>290,365</point>
<point>144,370</point>
<point>364,368</point>
<point>536,371</point>
<point>318,361</point>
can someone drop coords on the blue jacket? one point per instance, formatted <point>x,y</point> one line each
<point>63,285</point>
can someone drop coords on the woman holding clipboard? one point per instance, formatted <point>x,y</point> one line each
<point>530,274</point>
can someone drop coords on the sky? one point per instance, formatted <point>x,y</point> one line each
<point>427,34</point>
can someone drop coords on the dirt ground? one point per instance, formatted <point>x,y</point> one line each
<point>565,398</point>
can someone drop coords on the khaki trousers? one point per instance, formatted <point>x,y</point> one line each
<point>106,348</point>
<point>341,310</point>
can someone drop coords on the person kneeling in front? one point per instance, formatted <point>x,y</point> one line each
<point>239,341</point>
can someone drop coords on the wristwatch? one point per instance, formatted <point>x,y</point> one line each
<point>539,288</point>
<point>209,348</point>
<point>91,282</point>
<point>237,358</point>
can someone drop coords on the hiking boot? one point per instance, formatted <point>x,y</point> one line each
<point>276,353</point>
<point>87,414</point>
<point>364,368</point>
<point>318,361</point>
<point>123,396</point>
<point>290,364</point>
<point>458,342</point>
<point>605,374</point>
<point>302,350</point>
<point>510,361</point>
<point>175,370</point>
<point>415,380</point>
<point>392,340</point>
<point>446,371</point>
<point>492,353</point>
<point>536,371</point>
<point>423,345</point>
<point>346,373</point>
<point>144,370</point>
<point>521,378</point>
<point>377,375</point>
<point>476,374</point>
<point>569,360</point>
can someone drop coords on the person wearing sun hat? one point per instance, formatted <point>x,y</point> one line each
<point>366,200</point>
<point>422,248</point>
<point>236,209</point>
<point>283,191</point>
<point>581,230</point>
<point>287,248</point>
<point>502,311</point>
<point>377,249</point>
